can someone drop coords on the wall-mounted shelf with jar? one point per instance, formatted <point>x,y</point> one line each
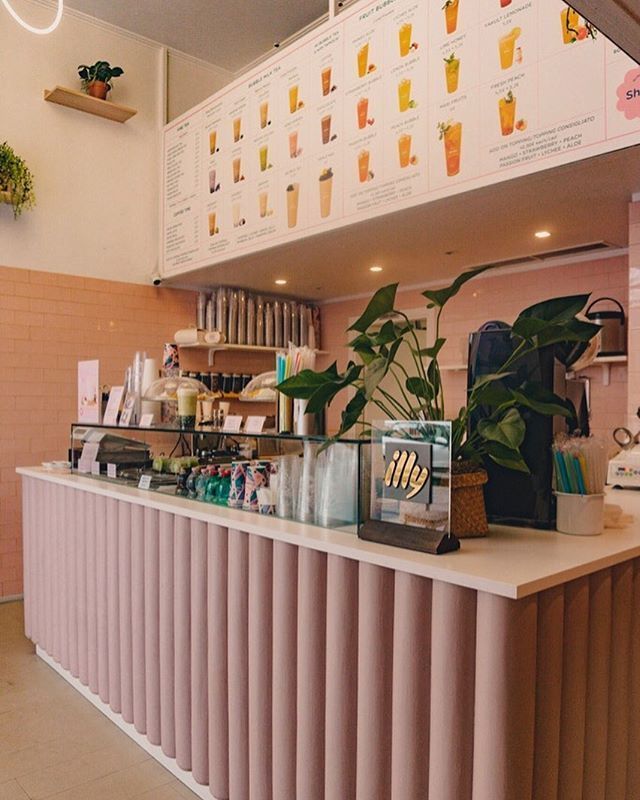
<point>242,348</point>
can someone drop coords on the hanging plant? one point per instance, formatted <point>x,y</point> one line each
<point>16,181</point>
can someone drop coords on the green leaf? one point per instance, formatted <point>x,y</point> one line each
<point>508,431</point>
<point>483,380</point>
<point>506,457</point>
<point>420,388</point>
<point>363,346</point>
<point>528,327</point>
<point>433,376</point>
<point>439,297</point>
<point>305,383</point>
<point>388,333</point>
<point>353,412</point>
<point>534,396</point>
<point>380,305</point>
<point>557,309</point>
<point>373,374</point>
<point>432,352</point>
<point>492,394</point>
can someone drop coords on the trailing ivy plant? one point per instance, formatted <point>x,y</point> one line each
<point>383,329</point>
<point>16,180</point>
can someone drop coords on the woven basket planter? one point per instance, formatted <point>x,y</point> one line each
<point>468,514</point>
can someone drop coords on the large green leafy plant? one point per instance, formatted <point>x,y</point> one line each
<point>16,180</point>
<point>382,330</point>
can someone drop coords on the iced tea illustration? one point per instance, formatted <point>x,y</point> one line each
<point>363,60</point>
<point>293,194</point>
<point>404,94</point>
<point>293,98</point>
<point>452,72</point>
<point>325,184</point>
<point>326,81</point>
<point>404,36</point>
<point>237,129</point>
<point>404,149</point>
<point>450,9</point>
<point>363,165</point>
<point>507,109</point>
<point>264,157</point>
<point>264,114</point>
<point>325,125</point>
<point>213,136</point>
<point>451,134</point>
<point>363,110</point>
<point>263,198</point>
<point>506,45</point>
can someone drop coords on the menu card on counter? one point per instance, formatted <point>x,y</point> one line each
<point>391,104</point>
<point>88,456</point>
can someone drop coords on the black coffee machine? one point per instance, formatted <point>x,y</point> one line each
<point>515,498</point>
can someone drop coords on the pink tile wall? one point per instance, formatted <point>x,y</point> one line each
<point>501,297</point>
<point>634,315</point>
<point>47,323</point>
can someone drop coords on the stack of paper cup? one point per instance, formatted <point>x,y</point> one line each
<point>149,375</point>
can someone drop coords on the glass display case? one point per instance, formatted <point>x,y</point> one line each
<point>288,476</point>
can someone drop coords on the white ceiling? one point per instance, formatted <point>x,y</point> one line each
<point>227,33</point>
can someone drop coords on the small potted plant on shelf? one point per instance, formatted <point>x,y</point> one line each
<point>382,330</point>
<point>16,181</point>
<point>96,79</point>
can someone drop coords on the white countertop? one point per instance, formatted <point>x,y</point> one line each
<point>511,562</point>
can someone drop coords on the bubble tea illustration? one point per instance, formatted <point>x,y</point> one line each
<point>325,127</point>
<point>452,73</point>
<point>213,138</point>
<point>363,60</point>
<point>212,223</point>
<point>264,157</point>
<point>451,135</point>
<point>404,94</point>
<point>507,111</point>
<point>293,196</point>
<point>264,114</point>
<point>236,170</point>
<point>404,149</point>
<point>404,37</point>
<point>325,182</point>
<point>450,9</point>
<point>293,98</point>
<point>326,81</point>
<point>363,166</point>
<point>237,129</point>
<point>263,200</point>
<point>363,111</point>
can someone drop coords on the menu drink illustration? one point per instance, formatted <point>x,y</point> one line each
<point>390,104</point>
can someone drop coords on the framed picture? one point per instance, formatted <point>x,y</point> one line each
<point>89,395</point>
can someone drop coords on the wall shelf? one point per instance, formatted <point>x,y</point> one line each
<point>605,362</point>
<point>91,105</point>
<point>238,348</point>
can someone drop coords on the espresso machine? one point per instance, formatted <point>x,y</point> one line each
<point>515,498</point>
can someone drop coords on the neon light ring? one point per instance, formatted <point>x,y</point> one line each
<point>31,28</point>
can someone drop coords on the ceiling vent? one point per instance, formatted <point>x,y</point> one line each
<point>578,250</point>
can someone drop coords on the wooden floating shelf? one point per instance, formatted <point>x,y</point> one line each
<point>92,105</point>
<point>247,348</point>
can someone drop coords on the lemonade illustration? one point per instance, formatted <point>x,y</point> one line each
<point>450,9</point>
<point>264,157</point>
<point>363,165</point>
<point>212,223</point>
<point>404,94</point>
<point>213,136</point>
<point>451,134</point>
<point>506,46</point>
<point>236,170</point>
<point>325,126</point>
<point>572,29</point>
<point>507,109</point>
<point>404,36</point>
<point>404,149</point>
<point>452,72</point>
<point>363,60</point>
<point>293,98</point>
<point>326,81</point>
<point>363,109</point>
<point>263,199</point>
<point>237,126</point>
<point>264,114</point>
<point>325,183</point>
<point>293,195</point>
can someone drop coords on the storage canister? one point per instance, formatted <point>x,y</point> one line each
<point>614,327</point>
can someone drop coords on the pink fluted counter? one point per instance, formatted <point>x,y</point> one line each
<point>261,659</point>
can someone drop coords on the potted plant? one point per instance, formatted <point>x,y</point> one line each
<point>16,181</point>
<point>382,330</point>
<point>96,79</point>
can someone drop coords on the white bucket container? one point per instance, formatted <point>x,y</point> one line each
<point>580,514</point>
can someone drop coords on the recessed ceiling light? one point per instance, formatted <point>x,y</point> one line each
<point>280,282</point>
<point>375,269</point>
<point>542,234</point>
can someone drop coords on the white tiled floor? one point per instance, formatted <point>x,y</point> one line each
<point>54,744</point>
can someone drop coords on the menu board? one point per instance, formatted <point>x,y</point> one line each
<point>393,103</point>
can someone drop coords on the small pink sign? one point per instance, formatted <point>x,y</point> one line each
<point>629,94</point>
